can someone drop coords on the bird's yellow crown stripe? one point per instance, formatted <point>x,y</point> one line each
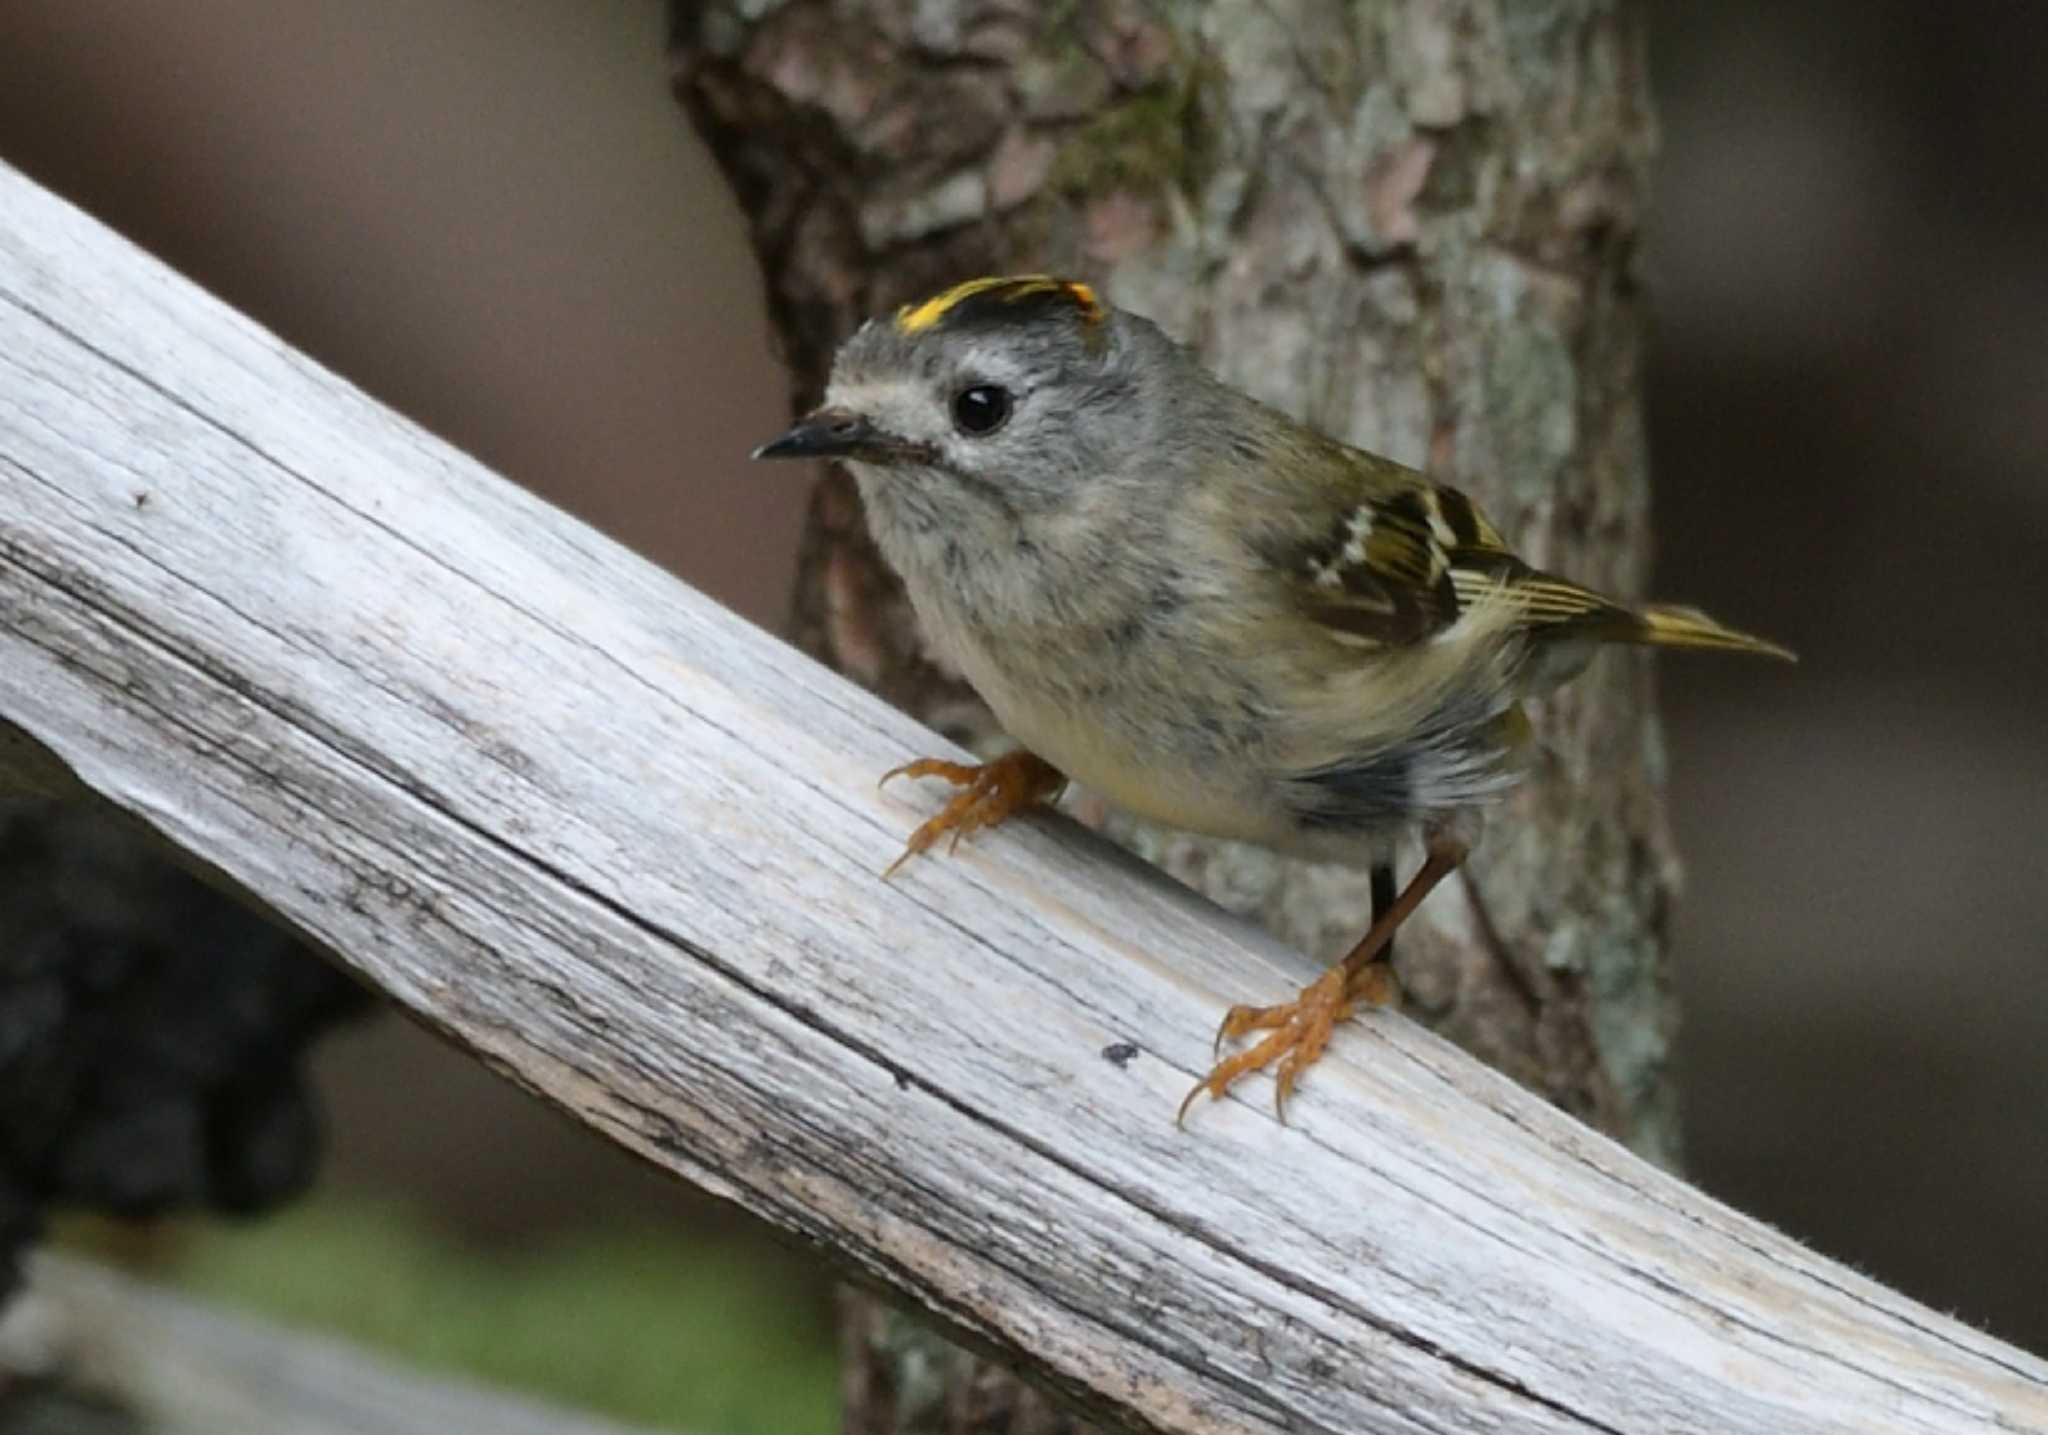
<point>916,318</point>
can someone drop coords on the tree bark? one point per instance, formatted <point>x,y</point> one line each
<point>1412,223</point>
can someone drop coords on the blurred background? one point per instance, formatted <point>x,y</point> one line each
<point>491,215</point>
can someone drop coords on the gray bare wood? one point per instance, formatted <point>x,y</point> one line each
<point>181,1368</point>
<point>624,847</point>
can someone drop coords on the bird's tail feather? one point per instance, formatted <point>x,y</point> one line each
<point>1557,612</point>
<point>1664,625</point>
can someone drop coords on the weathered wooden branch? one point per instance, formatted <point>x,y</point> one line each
<point>624,847</point>
<point>182,1367</point>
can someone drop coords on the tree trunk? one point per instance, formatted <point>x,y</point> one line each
<point>1411,222</point>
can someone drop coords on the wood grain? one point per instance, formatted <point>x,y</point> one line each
<point>182,1368</point>
<point>624,847</point>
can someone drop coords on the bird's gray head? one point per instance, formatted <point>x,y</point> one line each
<point>1017,392</point>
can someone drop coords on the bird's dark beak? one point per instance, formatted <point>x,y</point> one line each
<point>835,433</point>
<point>824,435</point>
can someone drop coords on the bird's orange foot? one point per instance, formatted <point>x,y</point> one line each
<point>991,793</point>
<point>1300,1030</point>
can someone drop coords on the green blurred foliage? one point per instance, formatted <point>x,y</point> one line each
<point>720,1338</point>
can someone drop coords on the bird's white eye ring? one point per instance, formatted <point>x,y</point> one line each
<point>980,409</point>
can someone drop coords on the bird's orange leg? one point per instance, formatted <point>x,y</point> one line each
<point>992,792</point>
<point>1300,1029</point>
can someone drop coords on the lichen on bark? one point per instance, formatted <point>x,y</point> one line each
<point>1411,223</point>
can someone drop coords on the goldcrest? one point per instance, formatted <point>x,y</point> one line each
<point>1200,608</point>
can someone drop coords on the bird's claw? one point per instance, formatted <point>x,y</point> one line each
<point>1299,1032</point>
<point>991,793</point>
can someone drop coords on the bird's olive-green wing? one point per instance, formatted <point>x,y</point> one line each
<point>1400,564</point>
<point>1405,556</point>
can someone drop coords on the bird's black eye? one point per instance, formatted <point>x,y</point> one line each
<point>981,409</point>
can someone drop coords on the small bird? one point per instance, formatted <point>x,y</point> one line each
<point>1200,608</point>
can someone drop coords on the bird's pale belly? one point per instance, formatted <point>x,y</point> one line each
<point>1142,783</point>
<point>1125,735</point>
<point>1108,752</point>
